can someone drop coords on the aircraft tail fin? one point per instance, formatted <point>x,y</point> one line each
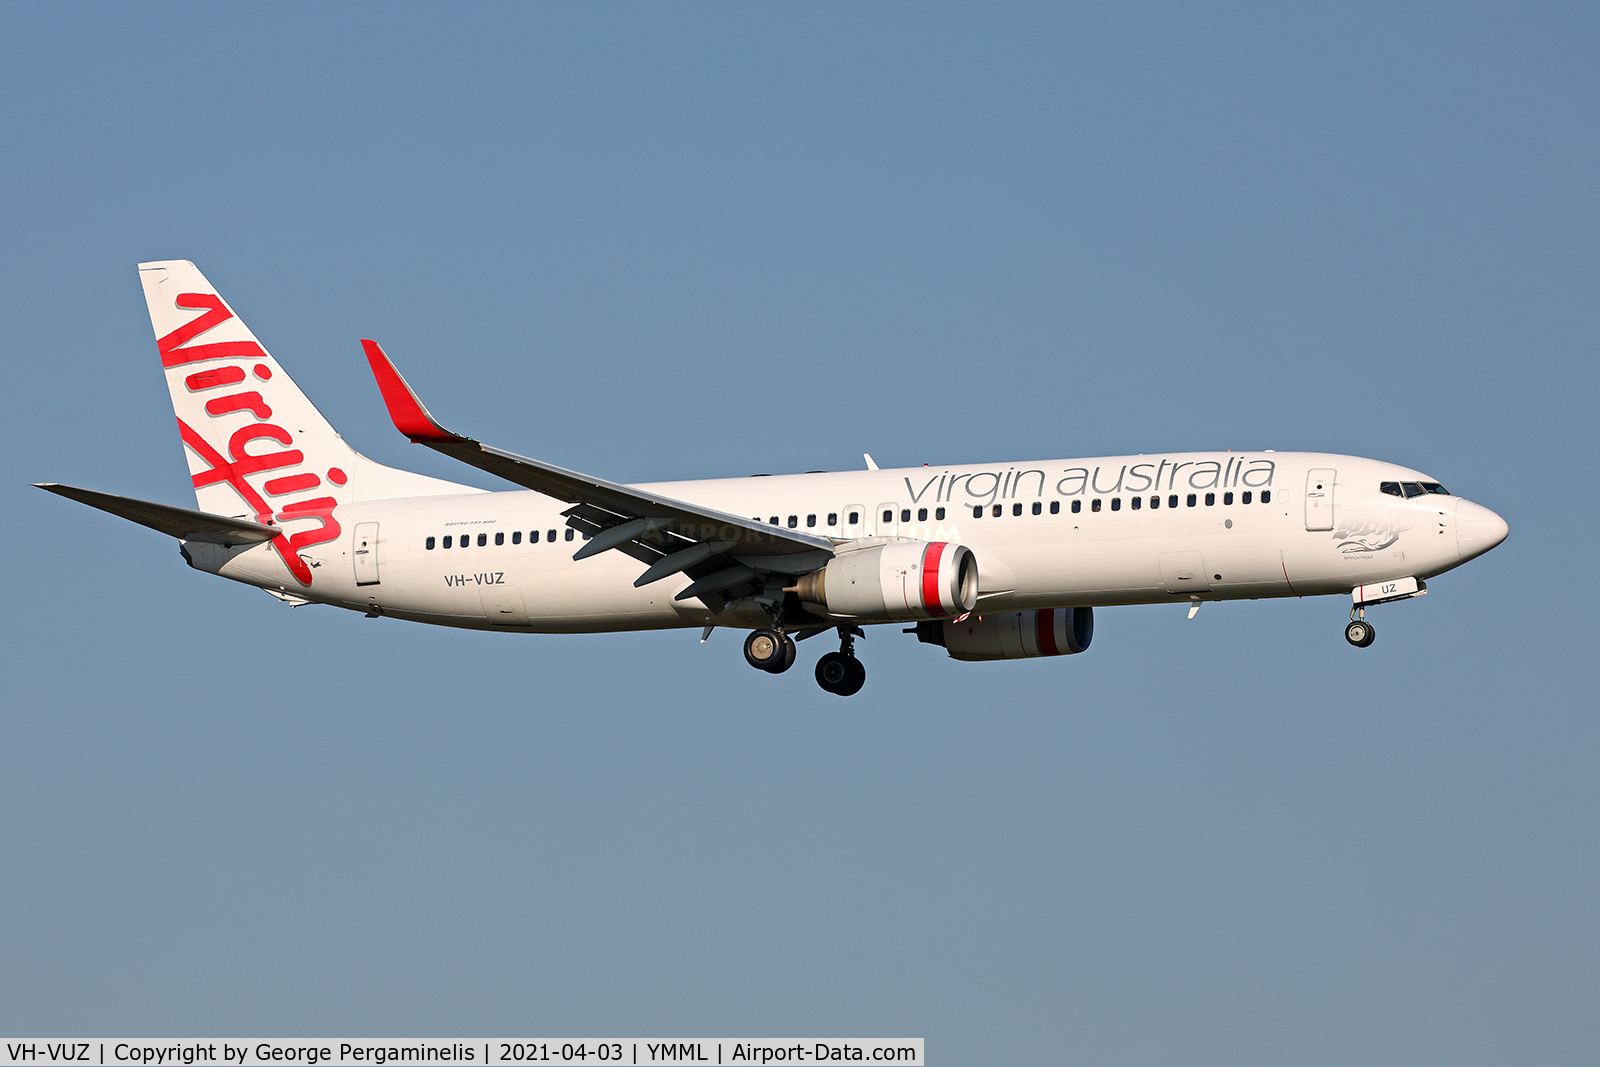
<point>257,447</point>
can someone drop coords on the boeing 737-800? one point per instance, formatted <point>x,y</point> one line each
<point>990,561</point>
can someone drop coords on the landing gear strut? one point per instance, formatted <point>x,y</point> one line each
<point>840,672</point>
<point>769,650</point>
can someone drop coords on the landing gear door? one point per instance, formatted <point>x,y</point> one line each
<point>1319,500</point>
<point>364,550</point>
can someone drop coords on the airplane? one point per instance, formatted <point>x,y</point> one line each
<point>990,561</point>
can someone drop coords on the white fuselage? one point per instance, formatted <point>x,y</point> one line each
<point>1295,537</point>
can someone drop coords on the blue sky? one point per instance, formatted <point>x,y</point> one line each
<point>666,242</point>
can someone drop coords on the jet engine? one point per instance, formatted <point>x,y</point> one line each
<point>900,581</point>
<point>1013,634</point>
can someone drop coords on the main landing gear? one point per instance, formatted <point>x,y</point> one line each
<point>840,673</point>
<point>769,650</point>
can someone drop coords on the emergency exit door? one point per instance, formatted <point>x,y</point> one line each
<point>1319,500</point>
<point>364,550</point>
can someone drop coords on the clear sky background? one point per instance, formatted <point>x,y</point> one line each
<point>682,241</point>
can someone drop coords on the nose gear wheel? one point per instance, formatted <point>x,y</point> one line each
<point>1360,633</point>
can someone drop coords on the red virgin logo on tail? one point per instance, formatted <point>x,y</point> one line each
<point>175,352</point>
<point>172,355</point>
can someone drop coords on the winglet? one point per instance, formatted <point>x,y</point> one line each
<point>410,417</point>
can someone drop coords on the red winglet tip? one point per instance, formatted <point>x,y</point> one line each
<point>410,417</point>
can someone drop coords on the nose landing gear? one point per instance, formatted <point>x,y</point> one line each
<point>1360,632</point>
<point>840,673</point>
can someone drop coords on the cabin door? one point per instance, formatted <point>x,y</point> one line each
<point>364,550</point>
<point>1319,500</point>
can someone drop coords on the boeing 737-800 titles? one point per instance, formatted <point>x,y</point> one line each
<point>991,561</point>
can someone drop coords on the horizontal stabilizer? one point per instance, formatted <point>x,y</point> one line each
<point>183,523</point>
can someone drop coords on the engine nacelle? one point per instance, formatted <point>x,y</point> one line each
<point>896,582</point>
<point>1013,634</point>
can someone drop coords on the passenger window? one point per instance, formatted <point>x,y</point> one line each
<point>977,511</point>
<point>888,517</point>
<point>1172,501</point>
<point>938,514</point>
<point>499,538</point>
<point>905,514</point>
<point>1016,509</point>
<point>922,514</point>
<point>549,535</point>
<point>1211,500</point>
<point>571,531</point>
<point>1391,488</point>
<point>1244,497</point>
<point>1266,496</point>
<point>794,522</point>
<point>833,518</point>
<point>999,510</point>
<point>1037,507</point>
<point>1227,498</point>
<point>447,540</point>
<point>1136,503</point>
<point>516,537</point>
<point>1192,500</point>
<point>1095,506</point>
<point>855,517</point>
<point>1077,506</point>
<point>429,544</point>
<point>811,520</point>
<point>1155,502</point>
<point>1055,507</point>
<point>483,539</point>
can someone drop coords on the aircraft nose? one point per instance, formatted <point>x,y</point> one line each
<point>1477,529</point>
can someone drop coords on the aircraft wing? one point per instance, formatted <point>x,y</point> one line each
<point>183,523</point>
<point>720,551</point>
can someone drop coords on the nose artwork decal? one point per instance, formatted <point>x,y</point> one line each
<point>1369,533</point>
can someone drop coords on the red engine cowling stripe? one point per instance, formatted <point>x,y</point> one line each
<point>930,578</point>
<point>1047,632</point>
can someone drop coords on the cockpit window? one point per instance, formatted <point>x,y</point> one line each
<point>1411,489</point>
